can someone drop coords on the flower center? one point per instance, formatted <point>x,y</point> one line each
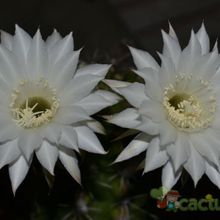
<point>34,103</point>
<point>190,108</point>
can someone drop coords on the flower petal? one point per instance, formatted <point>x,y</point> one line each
<point>97,101</point>
<point>37,58</point>
<point>129,118</point>
<point>69,161</point>
<point>69,138</point>
<point>47,155</point>
<point>135,147</point>
<point>28,142</point>
<point>9,152</point>
<point>143,59</point>
<point>155,158</point>
<point>212,174</point>
<point>171,48</point>
<point>203,39</point>
<point>6,40</point>
<point>195,165</point>
<point>17,172</point>
<point>88,141</point>
<point>52,40</point>
<point>134,93</point>
<point>169,176</point>
<point>96,126</point>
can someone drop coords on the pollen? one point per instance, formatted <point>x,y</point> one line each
<point>34,104</point>
<point>187,110</point>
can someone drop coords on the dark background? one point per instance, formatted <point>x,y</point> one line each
<point>104,28</point>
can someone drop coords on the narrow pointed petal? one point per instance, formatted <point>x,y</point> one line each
<point>79,88</point>
<point>116,85</point>
<point>53,39</point>
<point>135,147</point>
<point>212,174</point>
<point>47,155</point>
<point>9,152</point>
<point>143,59</point>
<point>61,48</point>
<point>99,70</point>
<point>37,59</point>
<point>6,40</point>
<point>195,165</point>
<point>17,172</point>
<point>148,126</point>
<point>71,114</point>
<point>88,141</point>
<point>69,138</point>
<point>129,118</point>
<point>172,33</point>
<point>63,71</point>
<point>97,101</point>
<point>69,161</point>
<point>152,110</point>
<point>52,133</point>
<point>155,158</point>
<point>171,48</point>
<point>96,126</point>
<point>21,44</point>
<point>134,93</point>
<point>168,134</point>
<point>179,151</point>
<point>169,177</point>
<point>28,142</point>
<point>203,39</point>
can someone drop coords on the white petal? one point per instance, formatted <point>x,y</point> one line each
<point>88,141</point>
<point>169,177</point>
<point>21,44</point>
<point>152,110</point>
<point>203,39</point>
<point>99,70</point>
<point>71,114</point>
<point>143,59</point>
<point>62,71</point>
<point>115,85</point>
<point>79,88</point>
<point>171,48</point>
<point>179,151</point>
<point>6,39</point>
<point>52,132</point>
<point>8,130</point>
<point>9,152</point>
<point>129,118</point>
<point>168,133</point>
<point>28,142</point>
<point>195,165</point>
<point>96,126</point>
<point>134,93</point>
<point>69,138</point>
<point>97,101</point>
<point>17,172</point>
<point>212,174</point>
<point>53,39</point>
<point>61,48</point>
<point>37,59</point>
<point>69,161</point>
<point>172,33</point>
<point>148,126</point>
<point>47,155</point>
<point>155,158</point>
<point>135,147</point>
<point>201,144</point>
<point>8,67</point>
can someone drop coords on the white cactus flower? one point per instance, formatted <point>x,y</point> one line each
<point>46,103</point>
<point>179,105</point>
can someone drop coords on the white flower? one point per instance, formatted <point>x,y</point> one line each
<point>179,106</point>
<point>46,103</point>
